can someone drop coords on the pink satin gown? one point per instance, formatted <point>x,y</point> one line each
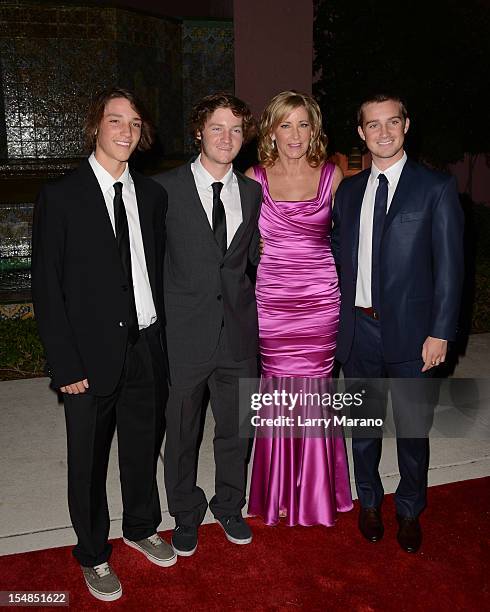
<point>304,479</point>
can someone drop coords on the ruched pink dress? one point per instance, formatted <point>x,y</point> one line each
<point>302,477</point>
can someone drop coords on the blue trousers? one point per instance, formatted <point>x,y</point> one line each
<point>366,361</point>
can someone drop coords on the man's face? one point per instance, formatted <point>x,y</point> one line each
<point>383,130</point>
<point>221,138</point>
<point>119,132</point>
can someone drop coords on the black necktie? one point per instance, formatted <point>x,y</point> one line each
<point>122,237</point>
<point>219,217</point>
<point>380,205</point>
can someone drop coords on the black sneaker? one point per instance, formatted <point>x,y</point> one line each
<point>236,529</point>
<point>184,540</point>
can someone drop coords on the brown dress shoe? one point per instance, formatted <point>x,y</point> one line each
<point>370,524</point>
<point>409,533</point>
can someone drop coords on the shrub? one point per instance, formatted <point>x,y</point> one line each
<point>21,352</point>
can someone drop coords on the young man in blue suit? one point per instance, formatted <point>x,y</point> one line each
<point>398,242</point>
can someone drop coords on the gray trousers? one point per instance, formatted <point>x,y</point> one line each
<point>190,385</point>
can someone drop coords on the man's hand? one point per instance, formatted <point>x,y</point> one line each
<point>261,246</point>
<point>433,352</point>
<point>75,388</point>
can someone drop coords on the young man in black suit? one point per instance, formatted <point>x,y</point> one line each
<point>398,241</point>
<point>211,314</point>
<point>98,245</point>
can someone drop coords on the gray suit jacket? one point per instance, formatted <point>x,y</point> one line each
<point>202,287</point>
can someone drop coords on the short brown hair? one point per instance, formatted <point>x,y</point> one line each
<point>96,112</point>
<point>381,97</point>
<point>278,108</point>
<point>206,106</point>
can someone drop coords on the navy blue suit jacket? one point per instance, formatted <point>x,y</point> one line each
<point>421,262</point>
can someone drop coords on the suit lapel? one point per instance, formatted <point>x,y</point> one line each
<point>191,195</point>
<point>145,213</point>
<point>246,204</point>
<point>95,204</point>
<point>354,214</point>
<point>401,193</point>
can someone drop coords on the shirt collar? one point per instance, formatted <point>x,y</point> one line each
<point>205,180</point>
<point>106,180</point>
<point>392,173</point>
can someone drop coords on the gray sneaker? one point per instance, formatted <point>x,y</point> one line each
<point>155,549</point>
<point>102,582</point>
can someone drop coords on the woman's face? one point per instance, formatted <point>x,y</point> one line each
<point>293,134</point>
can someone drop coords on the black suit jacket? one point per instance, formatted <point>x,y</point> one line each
<point>201,285</point>
<point>421,261</point>
<point>79,291</point>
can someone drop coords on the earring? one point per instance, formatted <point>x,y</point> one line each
<point>273,142</point>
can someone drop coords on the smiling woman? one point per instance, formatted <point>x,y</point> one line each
<point>298,306</point>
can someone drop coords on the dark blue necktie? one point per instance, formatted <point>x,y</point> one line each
<point>380,205</point>
<point>219,217</point>
<point>122,237</point>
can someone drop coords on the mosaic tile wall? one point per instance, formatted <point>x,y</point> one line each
<point>17,311</point>
<point>149,56</point>
<point>207,64</point>
<point>15,249</point>
<point>54,55</point>
<point>53,58</point>
<point>15,229</point>
<point>48,78</point>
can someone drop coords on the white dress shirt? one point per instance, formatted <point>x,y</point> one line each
<point>364,264</point>
<point>230,196</point>
<point>145,307</point>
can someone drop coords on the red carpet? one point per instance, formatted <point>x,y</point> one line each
<point>300,568</point>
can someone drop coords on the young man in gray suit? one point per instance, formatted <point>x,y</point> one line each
<point>211,316</point>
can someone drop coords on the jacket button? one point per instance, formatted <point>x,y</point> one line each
<point>122,323</point>
<point>219,297</point>
<point>124,287</point>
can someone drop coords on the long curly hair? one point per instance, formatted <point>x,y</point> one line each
<point>280,107</point>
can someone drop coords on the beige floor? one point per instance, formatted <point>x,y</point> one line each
<point>33,508</point>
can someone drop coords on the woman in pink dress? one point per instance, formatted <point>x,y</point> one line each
<point>303,477</point>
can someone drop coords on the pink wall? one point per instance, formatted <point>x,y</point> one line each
<point>481,177</point>
<point>273,48</point>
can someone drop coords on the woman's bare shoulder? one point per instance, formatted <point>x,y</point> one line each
<point>338,175</point>
<point>250,172</point>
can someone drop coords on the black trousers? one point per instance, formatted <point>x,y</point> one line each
<point>186,501</point>
<point>136,409</point>
<point>366,361</point>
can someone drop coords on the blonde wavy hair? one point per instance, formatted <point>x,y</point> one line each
<point>276,111</point>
